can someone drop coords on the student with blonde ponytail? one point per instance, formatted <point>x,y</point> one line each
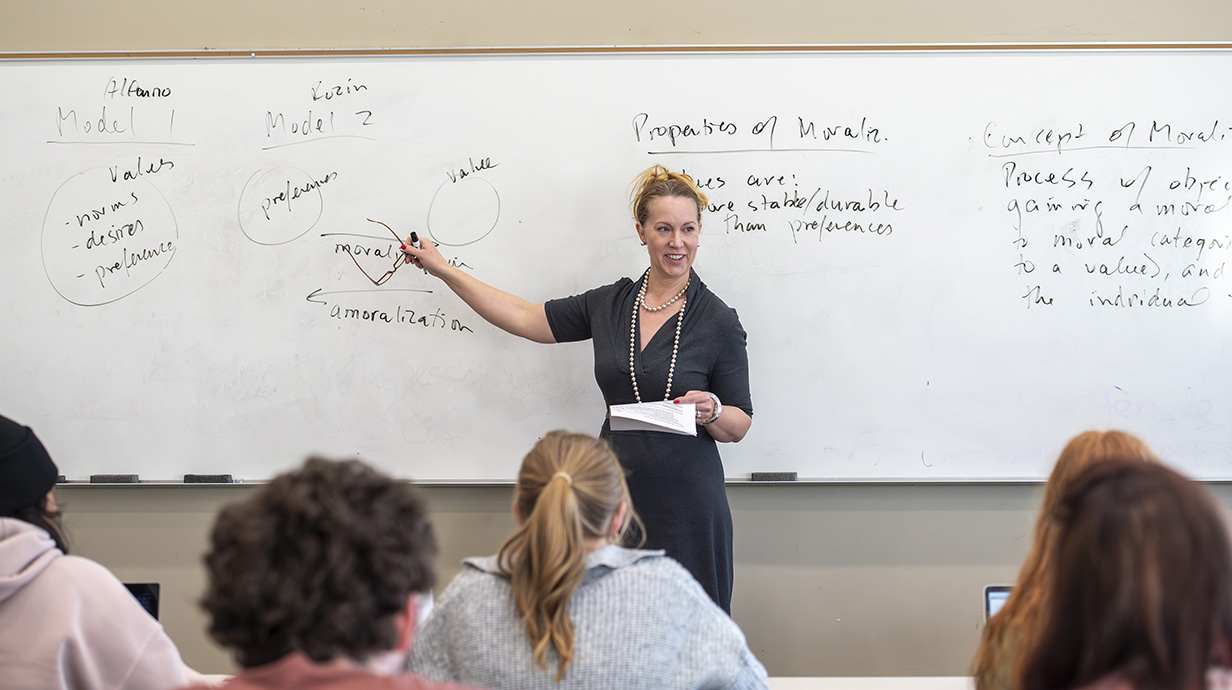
<point>562,605</point>
<point>659,337</point>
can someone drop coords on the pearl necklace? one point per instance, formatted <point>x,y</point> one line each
<point>642,298</point>
<point>641,302</point>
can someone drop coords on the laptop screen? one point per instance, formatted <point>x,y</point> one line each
<point>147,595</point>
<point>994,599</point>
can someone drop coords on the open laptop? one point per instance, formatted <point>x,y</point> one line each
<point>994,599</point>
<point>146,594</point>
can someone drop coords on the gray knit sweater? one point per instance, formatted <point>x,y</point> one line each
<point>640,621</point>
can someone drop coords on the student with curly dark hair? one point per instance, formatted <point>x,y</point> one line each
<point>313,581</point>
<point>66,623</point>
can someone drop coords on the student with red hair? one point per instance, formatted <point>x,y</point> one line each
<point>1139,596</point>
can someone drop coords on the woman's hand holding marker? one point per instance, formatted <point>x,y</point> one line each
<point>424,255</point>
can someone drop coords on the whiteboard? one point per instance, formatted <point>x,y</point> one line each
<point>947,263</point>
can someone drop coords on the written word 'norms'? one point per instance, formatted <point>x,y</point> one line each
<point>106,236</point>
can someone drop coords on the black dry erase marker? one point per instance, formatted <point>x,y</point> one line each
<point>415,240</point>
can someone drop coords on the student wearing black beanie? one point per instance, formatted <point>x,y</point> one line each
<point>27,476</point>
<point>66,622</point>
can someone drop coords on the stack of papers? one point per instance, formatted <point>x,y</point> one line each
<point>665,416</point>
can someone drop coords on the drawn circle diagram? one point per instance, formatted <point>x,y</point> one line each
<point>108,232</point>
<point>280,205</point>
<point>463,211</point>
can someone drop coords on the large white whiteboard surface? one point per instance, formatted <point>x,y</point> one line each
<point>947,263</point>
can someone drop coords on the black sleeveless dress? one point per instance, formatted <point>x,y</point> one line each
<point>676,482</point>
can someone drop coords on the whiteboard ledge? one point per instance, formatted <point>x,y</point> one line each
<point>616,49</point>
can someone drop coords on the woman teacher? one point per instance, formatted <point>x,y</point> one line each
<point>664,334</point>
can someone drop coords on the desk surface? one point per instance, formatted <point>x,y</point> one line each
<point>873,683</point>
<point>828,683</point>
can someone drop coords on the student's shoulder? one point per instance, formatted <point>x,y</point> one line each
<point>90,575</point>
<point>653,570</point>
<point>479,571</point>
<point>650,563</point>
<point>668,573</point>
<point>479,577</point>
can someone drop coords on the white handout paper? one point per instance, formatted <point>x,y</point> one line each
<point>665,416</point>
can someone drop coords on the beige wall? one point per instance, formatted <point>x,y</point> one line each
<point>830,580</point>
<point>881,579</point>
<point>77,25</point>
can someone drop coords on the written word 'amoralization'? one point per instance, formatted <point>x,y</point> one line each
<point>761,134</point>
<point>437,319</point>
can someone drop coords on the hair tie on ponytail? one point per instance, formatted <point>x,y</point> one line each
<point>564,474</point>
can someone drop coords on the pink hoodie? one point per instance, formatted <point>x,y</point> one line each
<point>68,623</point>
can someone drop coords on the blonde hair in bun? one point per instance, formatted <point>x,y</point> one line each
<point>656,182</point>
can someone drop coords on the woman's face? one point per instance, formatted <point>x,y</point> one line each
<point>670,233</point>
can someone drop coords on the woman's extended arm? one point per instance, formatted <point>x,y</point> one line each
<point>507,312</point>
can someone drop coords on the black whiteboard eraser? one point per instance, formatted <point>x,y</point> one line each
<point>773,476</point>
<point>208,479</point>
<point>113,479</point>
<point>61,479</point>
